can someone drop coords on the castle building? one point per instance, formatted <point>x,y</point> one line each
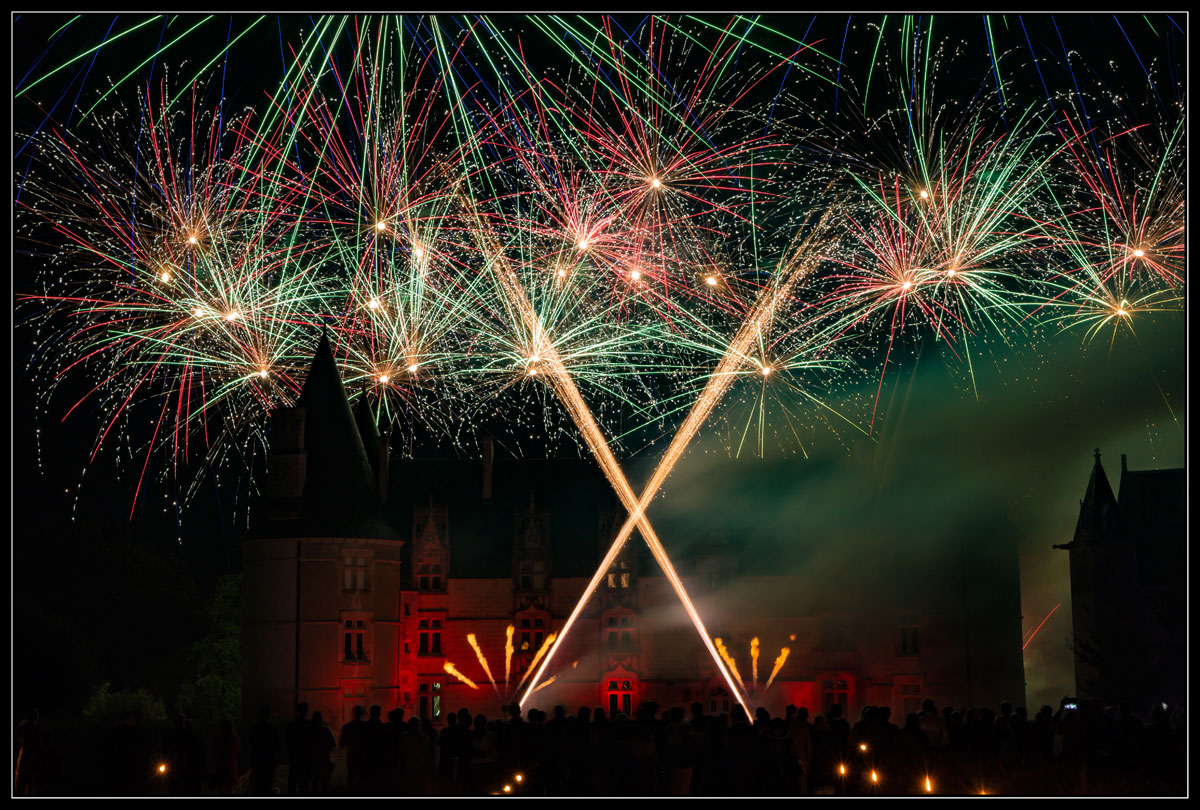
<point>366,575</point>
<point>1129,587</point>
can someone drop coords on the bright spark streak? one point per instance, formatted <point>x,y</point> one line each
<point>413,368</point>
<point>165,277</point>
<point>1039,627</point>
<point>710,281</point>
<point>383,378</point>
<point>1139,253</point>
<point>450,670</point>
<point>924,194</point>
<point>231,316</point>
<point>483,662</point>
<point>783,654</point>
<point>263,374</point>
<point>373,303</point>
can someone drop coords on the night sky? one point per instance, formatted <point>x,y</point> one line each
<point>968,456</point>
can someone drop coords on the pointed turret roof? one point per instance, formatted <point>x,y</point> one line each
<point>339,488</point>
<point>364,419</point>
<point>1098,509</point>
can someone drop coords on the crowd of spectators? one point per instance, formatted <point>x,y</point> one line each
<point>676,752</point>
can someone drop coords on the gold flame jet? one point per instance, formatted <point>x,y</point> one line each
<point>450,670</point>
<point>508,651</point>
<point>729,660</point>
<point>754,662</point>
<point>538,657</point>
<point>483,663</point>
<point>783,654</point>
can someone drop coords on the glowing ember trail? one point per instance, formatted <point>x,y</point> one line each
<point>483,662</point>
<point>728,659</point>
<point>804,260</point>
<point>783,654</point>
<point>450,670</point>
<point>754,662</point>
<point>508,651</point>
<point>1039,627</point>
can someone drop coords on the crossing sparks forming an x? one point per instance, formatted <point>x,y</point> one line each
<point>802,259</point>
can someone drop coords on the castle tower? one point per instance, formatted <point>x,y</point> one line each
<point>1128,590</point>
<point>322,571</point>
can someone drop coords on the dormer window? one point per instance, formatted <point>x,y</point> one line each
<point>531,575</point>
<point>619,576</point>
<point>429,577</point>
<point>356,574</point>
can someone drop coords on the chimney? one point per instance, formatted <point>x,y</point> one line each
<point>489,455</point>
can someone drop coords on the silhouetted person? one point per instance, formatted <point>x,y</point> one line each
<point>678,754</point>
<point>712,763</point>
<point>485,754</point>
<point>352,740</point>
<point>264,754</point>
<point>225,754</point>
<point>375,753</point>
<point>910,746</point>
<point>29,755</point>
<point>415,757</point>
<point>839,729</point>
<point>933,727</point>
<point>824,757</point>
<point>321,745</point>
<point>299,750</point>
<point>512,740</point>
<point>742,751</point>
<point>776,766</point>
<point>395,730</point>
<point>801,734</point>
<point>447,758</point>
